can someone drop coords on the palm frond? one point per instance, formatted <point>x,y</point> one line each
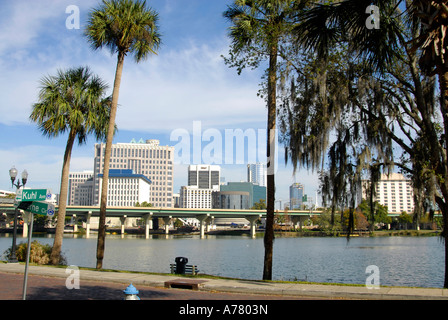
<point>71,100</point>
<point>323,26</point>
<point>124,26</point>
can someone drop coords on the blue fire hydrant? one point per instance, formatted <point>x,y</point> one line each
<point>131,293</point>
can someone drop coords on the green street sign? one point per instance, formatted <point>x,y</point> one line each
<point>33,195</point>
<point>41,208</point>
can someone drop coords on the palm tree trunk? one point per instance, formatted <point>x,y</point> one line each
<point>110,134</point>
<point>272,112</point>
<point>57,244</point>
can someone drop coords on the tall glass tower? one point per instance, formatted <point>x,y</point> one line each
<point>256,173</point>
<point>295,196</point>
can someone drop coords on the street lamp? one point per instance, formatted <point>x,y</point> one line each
<point>13,174</point>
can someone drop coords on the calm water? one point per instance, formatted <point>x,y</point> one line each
<point>402,261</point>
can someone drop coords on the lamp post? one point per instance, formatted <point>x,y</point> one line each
<point>13,174</point>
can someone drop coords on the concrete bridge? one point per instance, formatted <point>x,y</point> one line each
<point>204,216</point>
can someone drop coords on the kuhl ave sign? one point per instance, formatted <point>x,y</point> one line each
<point>33,195</point>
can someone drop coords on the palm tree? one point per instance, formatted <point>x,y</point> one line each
<point>257,31</point>
<point>73,101</point>
<point>124,27</point>
<point>325,25</point>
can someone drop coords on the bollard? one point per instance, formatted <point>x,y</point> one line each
<point>131,293</point>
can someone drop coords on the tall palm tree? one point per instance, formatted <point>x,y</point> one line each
<point>323,26</point>
<point>72,101</point>
<point>124,27</point>
<point>257,31</point>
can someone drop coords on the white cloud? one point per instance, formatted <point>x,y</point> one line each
<point>22,21</point>
<point>181,86</point>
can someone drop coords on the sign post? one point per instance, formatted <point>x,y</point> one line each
<point>28,250</point>
<point>34,202</point>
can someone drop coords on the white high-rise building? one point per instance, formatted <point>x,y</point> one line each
<point>126,189</point>
<point>195,198</point>
<point>145,158</point>
<point>393,191</point>
<point>202,181</point>
<point>80,188</point>
<point>256,173</point>
<point>204,176</point>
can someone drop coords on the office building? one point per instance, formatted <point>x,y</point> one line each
<point>146,158</point>
<point>295,196</point>
<point>203,180</point>
<point>256,173</point>
<point>238,195</point>
<point>80,188</point>
<point>393,191</point>
<point>126,188</point>
<point>204,176</point>
<point>195,198</point>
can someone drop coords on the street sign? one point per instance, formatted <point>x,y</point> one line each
<point>33,195</point>
<point>41,208</point>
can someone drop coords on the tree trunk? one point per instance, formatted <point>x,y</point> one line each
<point>442,204</point>
<point>271,152</point>
<point>443,83</point>
<point>110,135</point>
<point>57,244</point>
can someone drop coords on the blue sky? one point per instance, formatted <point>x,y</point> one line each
<point>186,82</point>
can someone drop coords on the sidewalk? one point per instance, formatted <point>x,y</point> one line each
<point>238,286</point>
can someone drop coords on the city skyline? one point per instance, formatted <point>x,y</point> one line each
<point>186,82</point>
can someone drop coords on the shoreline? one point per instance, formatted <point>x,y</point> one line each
<point>259,233</point>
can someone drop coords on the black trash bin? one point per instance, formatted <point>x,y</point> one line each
<point>181,262</point>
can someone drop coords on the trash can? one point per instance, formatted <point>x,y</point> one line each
<point>180,265</point>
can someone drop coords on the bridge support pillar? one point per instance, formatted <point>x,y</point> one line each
<point>208,223</point>
<point>296,220</point>
<point>123,222</point>
<point>88,217</point>
<point>167,221</point>
<point>202,219</point>
<point>253,226</point>
<point>75,223</point>
<point>299,220</point>
<point>26,216</point>
<point>148,223</point>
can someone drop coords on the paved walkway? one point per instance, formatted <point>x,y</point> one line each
<point>100,281</point>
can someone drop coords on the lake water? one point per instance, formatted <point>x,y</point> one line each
<point>402,261</point>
